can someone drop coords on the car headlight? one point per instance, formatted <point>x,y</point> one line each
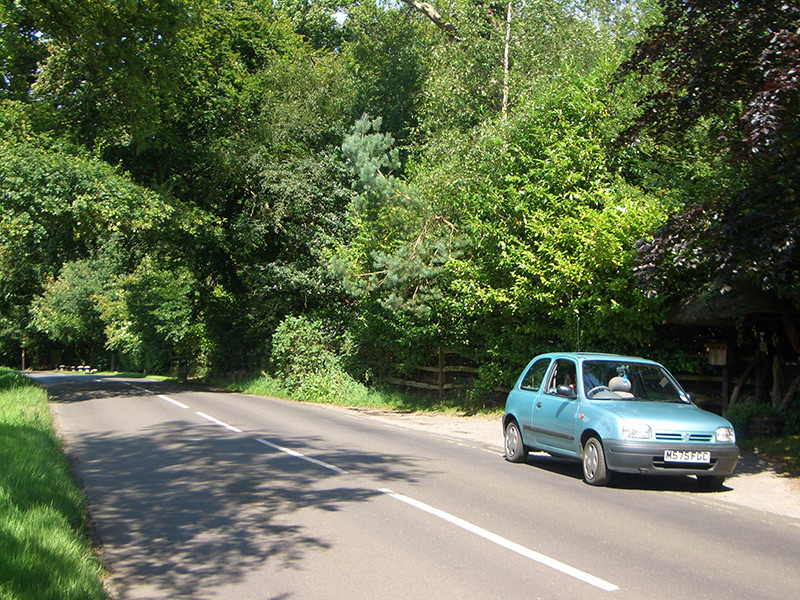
<point>637,431</point>
<point>726,435</point>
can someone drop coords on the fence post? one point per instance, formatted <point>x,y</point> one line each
<point>441,375</point>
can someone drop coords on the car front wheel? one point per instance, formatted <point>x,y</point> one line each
<point>515,449</point>
<point>595,471</point>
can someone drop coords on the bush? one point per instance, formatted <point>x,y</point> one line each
<point>304,346</point>
<point>791,424</point>
<point>740,415</point>
<point>332,387</point>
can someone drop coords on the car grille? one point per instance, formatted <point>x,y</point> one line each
<point>665,436</point>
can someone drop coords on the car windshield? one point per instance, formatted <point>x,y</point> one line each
<point>629,380</point>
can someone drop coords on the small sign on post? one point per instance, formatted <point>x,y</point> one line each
<point>717,354</point>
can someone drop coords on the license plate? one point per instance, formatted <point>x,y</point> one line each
<point>686,457</point>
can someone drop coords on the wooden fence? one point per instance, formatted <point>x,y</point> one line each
<point>441,378</point>
<point>444,378</point>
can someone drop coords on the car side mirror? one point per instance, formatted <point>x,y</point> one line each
<point>566,391</point>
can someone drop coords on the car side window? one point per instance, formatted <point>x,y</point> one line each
<point>563,373</point>
<point>535,375</point>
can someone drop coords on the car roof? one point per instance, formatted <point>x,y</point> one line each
<point>581,356</point>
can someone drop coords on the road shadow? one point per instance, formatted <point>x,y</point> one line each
<point>624,481</point>
<point>182,508</point>
<point>752,463</point>
<point>79,387</point>
<point>73,387</point>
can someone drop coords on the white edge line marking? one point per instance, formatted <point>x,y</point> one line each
<point>505,543</point>
<point>218,422</point>
<point>296,454</point>
<point>175,402</point>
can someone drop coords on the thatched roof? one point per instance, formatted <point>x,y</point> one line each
<point>725,306</point>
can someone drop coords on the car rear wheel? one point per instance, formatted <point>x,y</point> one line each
<point>515,449</point>
<point>595,471</point>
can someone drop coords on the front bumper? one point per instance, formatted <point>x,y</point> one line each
<point>648,458</point>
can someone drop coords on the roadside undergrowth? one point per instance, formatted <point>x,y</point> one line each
<point>338,388</point>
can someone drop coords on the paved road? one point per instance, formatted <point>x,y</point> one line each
<point>199,494</point>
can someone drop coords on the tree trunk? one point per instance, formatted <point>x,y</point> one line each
<point>792,333</point>
<point>742,380</point>
<point>505,60</point>
<point>789,395</point>
<point>775,395</point>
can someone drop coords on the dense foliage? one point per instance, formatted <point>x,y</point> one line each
<point>742,95</point>
<point>249,185</point>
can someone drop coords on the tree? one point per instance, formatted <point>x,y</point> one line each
<point>151,317</point>
<point>499,241</point>
<point>394,263</point>
<point>506,51</point>
<point>295,214</point>
<point>60,204</point>
<point>229,211</point>
<point>387,53</point>
<point>434,17</point>
<point>740,95</point>
<point>21,50</point>
<point>67,312</point>
<point>733,105</point>
<point>109,73</point>
<point>315,20</point>
<point>549,230</point>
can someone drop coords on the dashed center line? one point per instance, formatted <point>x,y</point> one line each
<point>297,454</point>
<point>218,422</point>
<point>452,519</point>
<point>175,402</point>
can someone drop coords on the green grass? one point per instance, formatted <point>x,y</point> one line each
<point>44,550</point>
<point>262,385</point>
<point>138,375</point>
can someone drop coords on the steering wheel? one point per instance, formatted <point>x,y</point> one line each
<point>599,388</point>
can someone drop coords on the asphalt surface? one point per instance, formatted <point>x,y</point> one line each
<point>757,483</point>
<point>201,494</point>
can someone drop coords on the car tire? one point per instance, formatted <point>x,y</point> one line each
<point>515,448</point>
<point>712,483</point>
<point>595,470</point>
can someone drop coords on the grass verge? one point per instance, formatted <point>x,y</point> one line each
<point>336,387</point>
<point>44,548</point>
<point>139,375</point>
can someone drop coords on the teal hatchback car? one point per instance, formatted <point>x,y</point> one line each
<point>615,414</point>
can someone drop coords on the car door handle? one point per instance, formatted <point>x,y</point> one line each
<point>538,405</point>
